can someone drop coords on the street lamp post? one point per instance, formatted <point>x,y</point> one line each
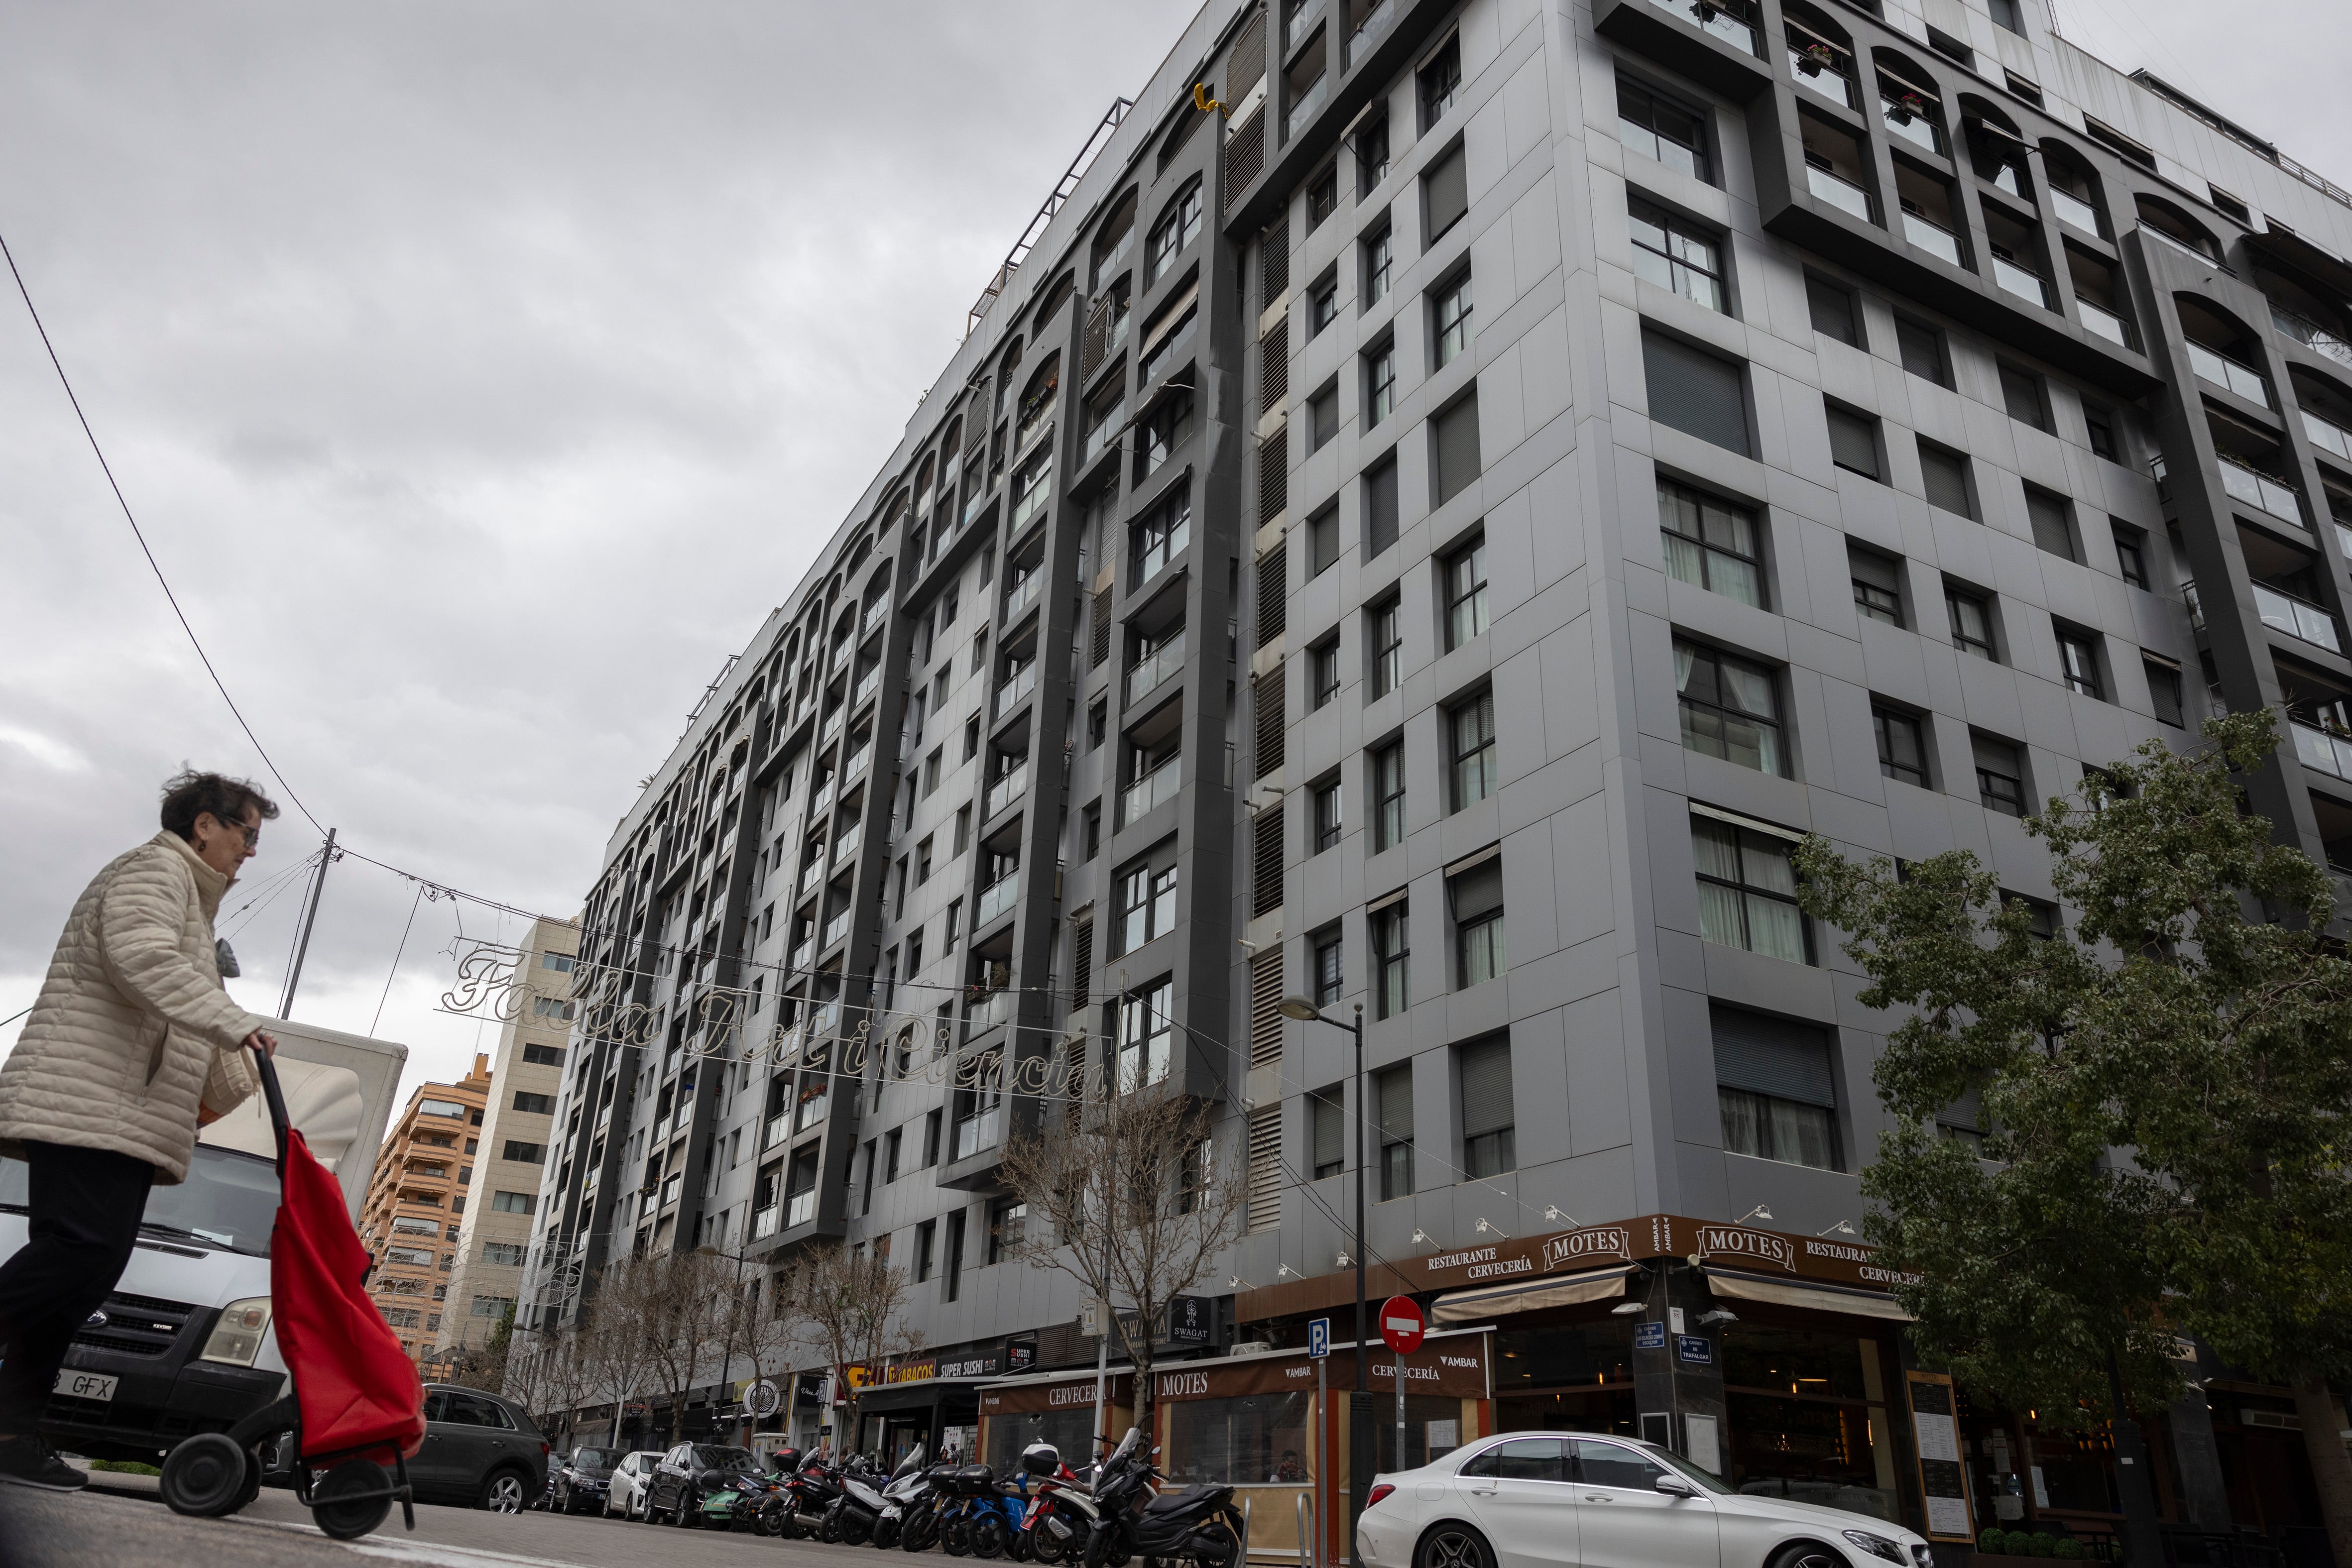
<point>1361,1458</point>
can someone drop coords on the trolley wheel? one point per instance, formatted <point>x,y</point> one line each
<point>206,1476</point>
<point>346,1517</point>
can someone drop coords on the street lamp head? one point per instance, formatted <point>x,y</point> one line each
<point>1758,1212</point>
<point>1626,1309</point>
<point>1299,1008</point>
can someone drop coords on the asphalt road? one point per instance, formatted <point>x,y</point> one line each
<point>127,1526</point>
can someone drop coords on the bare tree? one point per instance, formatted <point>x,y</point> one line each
<point>677,1306</point>
<point>1126,1196</point>
<point>566,1375</point>
<point>853,1307</point>
<point>619,1359</point>
<point>765,1329</point>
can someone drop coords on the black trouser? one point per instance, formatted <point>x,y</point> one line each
<point>84,1216</point>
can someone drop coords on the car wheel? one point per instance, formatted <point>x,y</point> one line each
<point>502,1492</point>
<point>1805,1556</point>
<point>683,1517</point>
<point>1453,1545</point>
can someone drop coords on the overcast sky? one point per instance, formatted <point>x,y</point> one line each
<point>483,375</point>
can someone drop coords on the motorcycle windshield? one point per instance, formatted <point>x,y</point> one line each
<point>910,1465</point>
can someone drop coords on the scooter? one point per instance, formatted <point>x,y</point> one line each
<point>1199,1523</point>
<point>906,1485</point>
<point>799,1509</point>
<point>858,1510</point>
<point>918,1525</point>
<point>1062,1512</point>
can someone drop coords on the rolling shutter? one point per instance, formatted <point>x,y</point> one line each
<point>1102,628</point>
<point>1266,1007</point>
<point>1264,1168</point>
<point>1273,476</point>
<point>1267,695</point>
<point>1772,1056</point>
<point>1273,366</point>
<point>1330,1129</point>
<point>1082,961</point>
<point>1396,1104</point>
<point>1265,870</point>
<point>1272,594</point>
<point>1245,154</point>
<point>1486,1088</point>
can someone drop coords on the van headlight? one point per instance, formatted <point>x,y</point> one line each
<point>235,1339</point>
<point>1876,1545</point>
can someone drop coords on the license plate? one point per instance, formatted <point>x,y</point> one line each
<point>85,1385</point>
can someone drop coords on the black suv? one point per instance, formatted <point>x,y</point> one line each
<point>583,1480</point>
<point>480,1451</point>
<point>690,1472</point>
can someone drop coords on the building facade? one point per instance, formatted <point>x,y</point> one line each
<point>1429,532</point>
<point>525,1071</point>
<point>416,1206</point>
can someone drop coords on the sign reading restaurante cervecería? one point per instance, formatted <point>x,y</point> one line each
<point>1652,1236</point>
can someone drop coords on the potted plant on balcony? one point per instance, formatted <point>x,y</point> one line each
<point>1817,58</point>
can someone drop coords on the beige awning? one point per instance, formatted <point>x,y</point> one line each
<point>1530,1295</point>
<point>1812,1298</point>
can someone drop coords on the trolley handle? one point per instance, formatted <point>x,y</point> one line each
<point>276,1099</point>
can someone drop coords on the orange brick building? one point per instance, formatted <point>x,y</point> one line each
<point>416,1202</point>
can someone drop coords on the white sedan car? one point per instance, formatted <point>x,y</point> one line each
<point>1571,1499</point>
<point>630,1479</point>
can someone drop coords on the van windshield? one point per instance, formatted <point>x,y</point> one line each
<point>230,1200</point>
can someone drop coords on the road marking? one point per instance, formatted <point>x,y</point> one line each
<point>427,1551</point>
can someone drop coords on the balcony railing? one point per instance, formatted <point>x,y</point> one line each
<point>669,1189</point>
<point>847,844</point>
<point>803,956</point>
<point>875,614</point>
<point>775,1131</point>
<point>822,797</point>
<point>1112,424</point>
<point>857,761</point>
<point>1931,237</point>
<point>832,726</point>
<point>1916,128</point>
<point>2328,436</point>
<point>867,684</point>
<point>2312,335</point>
<point>999,897</point>
<point>1159,785</point>
<point>2183,245</point>
<point>2104,322</point>
<point>2315,748</point>
<point>2223,372</point>
<point>2073,212</point>
<point>1162,663</point>
<point>1716,20</point>
<point>764,1223</point>
<point>2019,281</point>
<point>1838,191</point>
<point>1031,502</point>
<point>1022,595</point>
<point>987,1012</point>
<point>2284,612</point>
<point>2260,490</point>
<point>799,1208</point>
<point>1821,73</point>
<point>1016,692</point>
<point>825,1020</point>
<point>812,877</point>
<point>974,1134</point>
<point>973,505</point>
<point>1008,787</point>
<point>836,928</point>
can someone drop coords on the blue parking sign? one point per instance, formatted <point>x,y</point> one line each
<point>1318,1338</point>
<point>1649,1336</point>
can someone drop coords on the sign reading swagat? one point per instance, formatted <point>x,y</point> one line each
<point>1030,1398</point>
<point>1453,1367</point>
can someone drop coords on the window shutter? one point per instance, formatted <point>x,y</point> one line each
<point>1478,890</point>
<point>1396,1106</point>
<point>1771,1056</point>
<point>1457,449</point>
<point>1245,67</point>
<point>1265,878</point>
<point>1265,1167</point>
<point>1330,1133</point>
<point>1966,1112</point>
<point>1273,366</point>
<point>1273,476</point>
<point>1265,1015</point>
<point>1272,594</point>
<point>1446,190</point>
<point>1266,693</point>
<point>1082,961</point>
<point>1245,153</point>
<point>1486,1088</point>
<point>1102,628</point>
<point>1274,263</point>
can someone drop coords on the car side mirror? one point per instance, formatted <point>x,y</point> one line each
<point>1675,1486</point>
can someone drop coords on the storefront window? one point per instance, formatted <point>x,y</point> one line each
<point>1808,1418</point>
<point>1572,1378</point>
<point>2077,1471</point>
<point>1433,1427</point>
<point>1248,1441</point>
<point>1070,1430</point>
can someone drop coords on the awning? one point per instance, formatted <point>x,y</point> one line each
<point>1812,1298</point>
<point>1530,1295</point>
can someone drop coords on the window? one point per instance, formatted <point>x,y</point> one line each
<point>1323,673</point>
<point>2164,689</point>
<point>1440,82</point>
<point>1388,796</point>
<point>1380,262</point>
<point>932,1126</point>
<point>1710,544</point>
<point>1454,450</point>
<point>1833,310</point>
<point>1854,441</point>
<point>552,1055</point>
<point>1922,347</point>
<point>1392,1092</point>
<point>1489,1133</point>
<point>525,1153</point>
<point>1167,427</point>
<point>1372,155</point>
<point>1147,906</point>
<point>504,1254</point>
<point>2078,657</point>
<point>2054,526</point>
<point>1747,889</point>
<point>2008,15</point>
<point>1322,198</point>
<point>535,1105</point>
<point>2131,555</point>
<point>926,1237</point>
<point>1322,305</point>
<point>1477,895</point>
<point>1391,960</point>
<point>1694,392</point>
<point>1450,318</point>
<point>1945,476</point>
<point>1007,1218</point>
<point>1381,506</point>
<point>1093,839</point>
<point>923,861</point>
<point>1380,382</point>
<point>1324,799</point>
<point>1466,593</point>
<point>1971,616</point>
<point>2099,426</point>
<point>1901,746</point>
<point>932,771</point>
<point>1776,1088</point>
<point>1878,584</point>
<point>1327,966</point>
<point>2021,393</point>
<point>1176,229</point>
<point>1470,727</point>
<point>953,930</point>
<point>1322,418</point>
<point>893,1143</point>
<point>1445,196</point>
<point>514,1202</point>
<point>1097,722</point>
<point>1384,636</point>
<point>1322,541</point>
<point>2000,776</point>
<point>1658,127</point>
<point>1162,537</point>
<point>1327,1131</point>
<point>1147,1029</point>
<point>1676,256</point>
<point>1729,708</point>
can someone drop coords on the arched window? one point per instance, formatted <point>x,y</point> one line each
<point>2172,225</point>
<point>1037,402</point>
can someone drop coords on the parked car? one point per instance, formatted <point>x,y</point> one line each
<point>480,1451</point>
<point>582,1478</point>
<point>691,1472</point>
<point>1530,1500</point>
<point>631,1477</point>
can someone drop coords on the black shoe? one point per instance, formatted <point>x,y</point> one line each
<point>31,1462</point>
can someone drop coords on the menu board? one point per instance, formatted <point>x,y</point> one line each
<point>1943,1481</point>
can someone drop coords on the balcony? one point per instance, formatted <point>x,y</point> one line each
<point>2019,281</point>
<point>1837,191</point>
<point>2183,246</point>
<point>973,505</point>
<point>1163,663</point>
<point>857,761</point>
<point>765,1223</point>
<point>2229,374</point>
<point>1138,799</point>
<point>2312,335</point>
<point>867,684</point>
<point>1716,22</point>
<point>799,1208</point>
<point>775,1130</point>
<point>1021,596</point>
<point>831,729</point>
<point>1016,692</point>
<point>821,798</point>
<point>1008,787</point>
<point>2329,437</point>
<point>803,956</point>
<point>998,897</point>
<point>875,614</point>
<point>2104,322</point>
<point>2073,212</point>
<point>988,1011</point>
<point>1307,104</point>
<point>2307,622</point>
<point>984,1131</point>
<point>1106,432</point>
<point>2262,492</point>
<point>836,928</point>
<point>670,1187</point>
<point>1374,21</point>
<point>1912,125</point>
<point>2315,748</point>
<point>812,877</point>
<point>1931,237</point>
<point>1035,485</point>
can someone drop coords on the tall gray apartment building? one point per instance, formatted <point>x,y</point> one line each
<point>1429,531</point>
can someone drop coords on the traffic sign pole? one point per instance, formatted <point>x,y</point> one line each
<point>1403,1327</point>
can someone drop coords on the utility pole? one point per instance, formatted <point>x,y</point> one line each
<point>309,916</point>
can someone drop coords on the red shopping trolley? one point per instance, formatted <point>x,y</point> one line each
<point>357,1408</point>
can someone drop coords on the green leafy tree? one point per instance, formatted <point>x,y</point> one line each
<point>2164,1088</point>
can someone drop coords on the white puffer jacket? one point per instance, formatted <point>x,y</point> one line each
<point>133,1029</point>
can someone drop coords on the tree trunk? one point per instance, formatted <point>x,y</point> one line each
<point>2143,1535</point>
<point>2331,1466</point>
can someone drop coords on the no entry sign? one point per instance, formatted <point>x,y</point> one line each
<point>1401,1324</point>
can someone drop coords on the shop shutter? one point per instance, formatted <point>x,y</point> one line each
<point>1486,1088</point>
<point>1265,870</point>
<point>1273,476</point>
<point>1330,1129</point>
<point>1396,1104</point>
<point>1245,154</point>
<point>1264,1168</point>
<point>1272,594</point>
<point>1266,1007</point>
<point>1266,694</point>
<point>1102,628</point>
<point>1082,961</point>
<point>1772,1056</point>
<point>1273,366</point>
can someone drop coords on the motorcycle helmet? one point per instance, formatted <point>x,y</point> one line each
<point>1041,1459</point>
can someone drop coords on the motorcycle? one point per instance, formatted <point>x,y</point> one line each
<point>858,1510</point>
<point>798,1509</point>
<point>980,1519</point>
<point>1062,1513</point>
<point>1199,1522</point>
<point>918,1531</point>
<point>903,1489</point>
<point>750,1512</point>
